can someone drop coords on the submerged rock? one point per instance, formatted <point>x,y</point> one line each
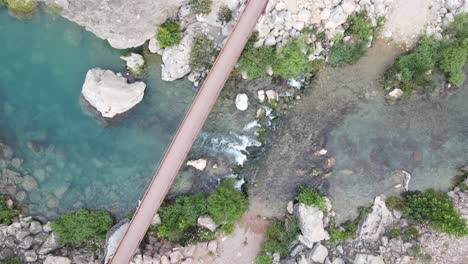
<point>110,93</point>
<point>135,63</point>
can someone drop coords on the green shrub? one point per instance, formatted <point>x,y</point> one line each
<point>11,261</point>
<point>169,34</point>
<point>452,60</point>
<point>202,7</point>
<point>21,7</point>
<point>7,215</point>
<point>395,202</point>
<point>227,204</point>
<point>224,14</point>
<point>202,52</point>
<point>291,59</point>
<point>345,53</point>
<point>407,234</point>
<point>264,259</point>
<point>254,61</point>
<point>437,209</point>
<point>311,197</point>
<point>361,27</point>
<point>83,227</point>
<point>279,236</point>
<point>179,220</point>
<point>343,233</point>
<point>53,9</point>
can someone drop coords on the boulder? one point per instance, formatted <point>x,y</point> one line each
<point>110,93</point>
<point>261,96</point>
<point>176,257</point>
<point>49,245</point>
<point>207,223</point>
<point>57,260</point>
<point>242,101</point>
<point>176,60</point>
<point>272,95</point>
<point>311,224</point>
<point>199,164</point>
<point>30,256</point>
<point>26,242</point>
<point>7,253</point>
<point>318,254</point>
<point>270,41</point>
<point>29,183</point>
<point>212,246</point>
<point>154,46</point>
<point>368,259</point>
<point>395,94</point>
<point>453,5</point>
<point>375,223</point>
<point>156,220</point>
<point>338,261</point>
<point>135,63</point>
<point>349,6</point>
<point>338,16</point>
<point>113,238</point>
<point>125,24</point>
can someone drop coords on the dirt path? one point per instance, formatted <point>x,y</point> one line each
<point>188,131</point>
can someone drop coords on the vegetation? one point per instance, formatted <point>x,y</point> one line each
<point>21,7</point>
<point>448,55</point>
<point>407,234</point>
<point>311,197</point>
<point>202,7</point>
<point>202,53</point>
<point>53,9</point>
<point>169,34</point>
<point>7,215</point>
<point>11,261</point>
<point>264,259</point>
<point>396,202</point>
<point>224,14</point>
<point>83,227</point>
<point>225,205</point>
<point>343,233</point>
<point>279,236</point>
<point>345,53</point>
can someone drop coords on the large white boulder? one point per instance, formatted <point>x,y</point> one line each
<point>176,60</point>
<point>375,223</point>
<point>311,224</point>
<point>110,93</point>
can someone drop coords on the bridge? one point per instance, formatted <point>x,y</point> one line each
<point>188,131</point>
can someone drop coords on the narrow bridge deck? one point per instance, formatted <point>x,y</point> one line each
<point>188,131</point>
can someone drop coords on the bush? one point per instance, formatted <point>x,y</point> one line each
<point>254,61</point>
<point>202,7</point>
<point>361,27</point>
<point>264,259</point>
<point>169,34</point>
<point>311,197</point>
<point>279,236</point>
<point>11,261</point>
<point>396,202</point>
<point>346,53</point>
<point>83,227</point>
<point>224,14</point>
<point>202,52</point>
<point>436,209</point>
<point>227,204</point>
<point>21,7</point>
<point>291,59</point>
<point>7,215</point>
<point>452,59</point>
<point>179,220</point>
<point>338,234</point>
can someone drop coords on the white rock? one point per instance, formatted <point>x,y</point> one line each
<point>269,70</point>
<point>109,93</point>
<point>304,15</point>
<point>199,164</point>
<point>270,41</point>
<point>311,224</point>
<point>154,46</point>
<point>375,223</point>
<point>280,6</point>
<point>135,62</point>
<point>242,101</point>
<point>453,5</point>
<point>114,236</point>
<point>338,261</point>
<point>318,254</point>
<point>368,259</point>
<point>338,16</point>
<point>212,246</point>
<point>176,60</point>
<point>57,260</point>
<point>272,95</point>
<point>290,207</point>
<point>207,222</point>
<point>395,94</point>
<point>325,14</point>
<point>349,6</point>
<point>156,220</point>
<point>261,96</point>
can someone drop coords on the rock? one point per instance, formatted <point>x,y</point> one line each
<point>40,238</point>
<point>21,234</point>
<point>261,96</point>
<point>110,93</point>
<point>349,6</point>
<point>296,250</point>
<point>165,260</point>
<point>375,223</point>
<point>318,254</point>
<point>176,257</point>
<point>280,6</point>
<point>30,256</point>
<point>113,238</point>
<point>242,101</point>
<point>7,253</point>
<point>47,227</point>
<point>453,5</point>
<point>270,41</point>
<point>290,207</point>
<point>26,242</point>
<point>35,227</point>
<point>125,24</point>
<point>368,259</point>
<point>49,245</point>
<point>320,152</point>
<point>16,163</point>
<point>9,203</point>
<point>135,63</point>
<point>57,260</point>
<point>29,183</point>
<point>176,60</point>
<point>199,164</point>
<point>207,223</point>
<point>395,94</point>
<point>156,220</point>
<point>338,261</point>
<point>212,246</point>
<point>337,16</point>
<point>20,196</point>
<point>5,152</point>
<point>148,260</point>
<point>154,46</point>
<point>137,259</point>
<point>311,224</point>
<point>304,15</point>
<point>272,95</point>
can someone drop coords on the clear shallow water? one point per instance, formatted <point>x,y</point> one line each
<point>78,160</point>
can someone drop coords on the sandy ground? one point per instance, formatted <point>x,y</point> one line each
<point>407,19</point>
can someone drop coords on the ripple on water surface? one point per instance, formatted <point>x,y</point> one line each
<point>75,160</point>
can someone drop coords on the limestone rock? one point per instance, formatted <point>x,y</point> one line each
<point>453,5</point>
<point>113,238</point>
<point>272,95</point>
<point>338,16</point>
<point>125,24</point>
<point>311,224</point>
<point>176,257</point>
<point>242,102</point>
<point>395,94</point>
<point>135,63</point>
<point>207,223</point>
<point>368,259</point>
<point>156,220</point>
<point>318,254</point>
<point>110,93</point>
<point>375,223</point>
<point>176,60</point>
<point>49,245</point>
<point>199,164</point>
<point>30,256</point>
<point>57,260</point>
<point>261,96</point>
<point>212,246</point>
<point>154,46</point>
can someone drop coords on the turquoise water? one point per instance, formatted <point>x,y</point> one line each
<point>77,159</point>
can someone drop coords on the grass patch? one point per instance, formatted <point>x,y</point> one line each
<point>7,215</point>
<point>53,9</point>
<point>169,34</point>
<point>11,261</point>
<point>201,7</point>
<point>21,7</point>
<point>83,228</point>
<point>227,204</point>
<point>264,259</point>
<point>311,197</point>
<point>202,52</point>
<point>279,236</point>
<point>343,233</point>
<point>224,14</point>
